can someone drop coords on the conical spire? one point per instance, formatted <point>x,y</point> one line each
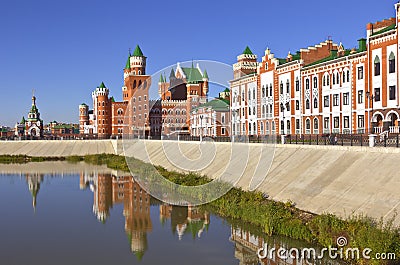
<point>205,75</point>
<point>172,73</point>
<point>161,79</point>
<point>247,51</point>
<point>128,62</point>
<point>102,85</point>
<point>23,120</point>
<point>137,51</point>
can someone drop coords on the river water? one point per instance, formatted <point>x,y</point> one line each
<point>67,214</point>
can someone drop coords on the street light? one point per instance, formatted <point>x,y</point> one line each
<point>201,127</point>
<point>370,99</point>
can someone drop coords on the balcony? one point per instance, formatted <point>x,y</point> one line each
<point>394,129</point>
<point>378,130</point>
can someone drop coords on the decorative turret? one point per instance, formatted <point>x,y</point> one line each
<point>83,117</point>
<point>247,63</point>
<point>102,106</point>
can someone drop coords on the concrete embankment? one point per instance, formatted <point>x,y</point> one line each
<point>319,179</point>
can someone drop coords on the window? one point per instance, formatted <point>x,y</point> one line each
<point>348,76</point>
<point>326,101</point>
<point>242,95</point>
<point>249,95</point>
<point>287,86</point>
<point>281,88</point>
<point>307,104</point>
<point>377,66</point>
<point>308,124</point>
<point>360,96</point>
<point>315,103</point>
<point>223,118</point>
<point>254,93</point>
<point>270,90</point>
<point>377,96</point>
<point>282,126</point>
<point>346,122</point>
<point>297,104</point>
<point>344,76</point>
<point>249,110</point>
<point>297,84</point>
<point>336,122</point>
<point>315,81</point>
<point>360,121</point>
<point>297,124</point>
<point>392,92</point>
<point>360,72</point>
<point>139,99</point>
<point>346,98</point>
<point>326,123</point>
<point>316,124</point>
<point>337,79</point>
<point>307,83</point>
<point>223,130</point>
<point>263,91</point>
<point>392,63</point>
<point>324,81</point>
<point>336,100</point>
<point>327,80</point>
<point>334,80</point>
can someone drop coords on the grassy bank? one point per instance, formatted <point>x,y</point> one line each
<point>272,218</point>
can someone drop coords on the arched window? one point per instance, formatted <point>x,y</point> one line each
<point>327,80</point>
<point>273,126</point>
<point>262,127</point>
<point>307,104</point>
<point>263,91</point>
<point>308,124</point>
<point>297,104</point>
<point>270,90</point>
<point>337,78</point>
<point>249,95</point>
<point>138,72</point>
<point>334,79</point>
<point>134,84</point>
<point>344,76</point>
<point>348,76</point>
<point>324,80</point>
<point>315,81</point>
<point>177,112</point>
<point>140,83</point>
<point>392,63</point>
<point>254,93</point>
<point>307,83</point>
<point>377,66</point>
<point>315,123</point>
<point>287,86</point>
<point>267,126</point>
<point>315,103</point>
<point>281,88</point>
<point>297,84</point>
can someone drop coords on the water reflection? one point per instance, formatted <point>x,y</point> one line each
<point>34,181</point>
<point>116,189</point>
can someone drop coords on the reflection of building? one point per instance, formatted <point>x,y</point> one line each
<point>34,181</point>
<point>247,246</point>
<point>110,190</point>
<point>185,219</point>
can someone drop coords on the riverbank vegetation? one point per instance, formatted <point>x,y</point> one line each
<point>273,218</point>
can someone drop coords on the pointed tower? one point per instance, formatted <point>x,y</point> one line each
<point>246,63</point>
<point>102,110</point>
<point>34,125</point>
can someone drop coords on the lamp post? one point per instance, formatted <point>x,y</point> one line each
<point>370,99</point>
<point>201,127</point>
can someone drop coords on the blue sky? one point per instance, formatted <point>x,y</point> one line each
<point>64,49</point>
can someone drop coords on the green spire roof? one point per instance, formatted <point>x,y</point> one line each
<point>247,51</point>
<point>128,62</point>
<point>112,99</point>
<point>205,75</point>
<point>23,120</point>
<point>137,51</point>
<point>161,79</point>
<point>102,85</point>
<point>193,75</point>
<point>172,74</point>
